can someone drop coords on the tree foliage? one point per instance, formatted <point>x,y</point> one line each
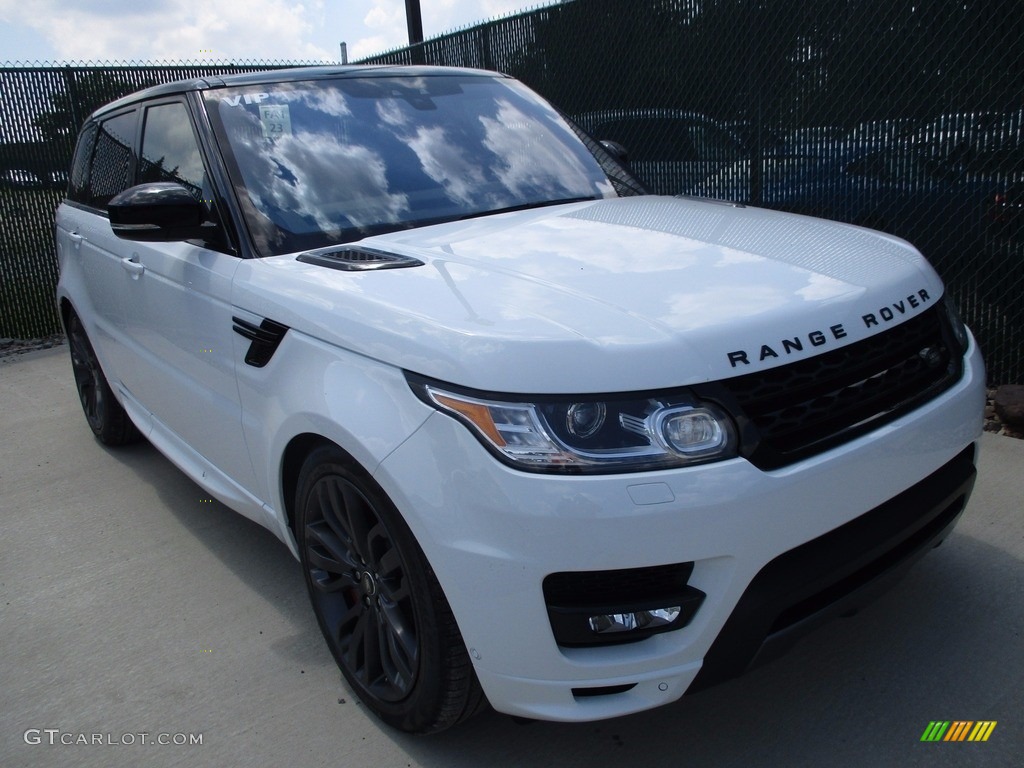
<point>86,91</point>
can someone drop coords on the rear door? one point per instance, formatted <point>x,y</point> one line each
<point>89,250</point>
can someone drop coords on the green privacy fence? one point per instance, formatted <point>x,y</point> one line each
<point>41,109</point>
<point>900,115</point>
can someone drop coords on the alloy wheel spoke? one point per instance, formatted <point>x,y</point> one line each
<point>328,551</point>
<point>390,563</point>
<point>394,590</point>
<point>358,514</point>
<point>332,507</point>
<point>328,582</point>
<point>371,648</point>
<point>402,651</point>
<point>353,628</point>
<point>388,670</point>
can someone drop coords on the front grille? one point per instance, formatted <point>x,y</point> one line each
<point>794,411</point>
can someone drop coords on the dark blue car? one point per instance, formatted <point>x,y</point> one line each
<point>937,206</point>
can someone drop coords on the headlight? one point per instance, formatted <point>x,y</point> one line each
<point>604,434</point>
<point>955,323</point>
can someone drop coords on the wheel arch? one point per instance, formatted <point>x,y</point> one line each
<point>64,310</point>
<point>292,459</point>
<point>297,450</point>
<point>442,689</point>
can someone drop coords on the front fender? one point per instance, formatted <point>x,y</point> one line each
<point>310,387</point>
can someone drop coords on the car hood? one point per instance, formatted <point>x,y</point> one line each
<point>606,296</point>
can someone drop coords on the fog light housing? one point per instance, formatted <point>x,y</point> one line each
<point>596,608</point>
<point>627,622</point>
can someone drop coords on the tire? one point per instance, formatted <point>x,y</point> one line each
<point>105,416</point>
<point>378,603</point>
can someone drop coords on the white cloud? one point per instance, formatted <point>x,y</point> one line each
<point>385,15</point>
<point>365,47</point>
<point>386,20</point>
<point>218,30</point>
<point>174,30</point>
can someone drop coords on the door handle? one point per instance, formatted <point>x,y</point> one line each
<point>133,266</point>
<point>76,239</point>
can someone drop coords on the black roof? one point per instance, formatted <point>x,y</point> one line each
<point>291,75</point>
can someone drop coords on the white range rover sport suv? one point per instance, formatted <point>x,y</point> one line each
<point>537,437</point>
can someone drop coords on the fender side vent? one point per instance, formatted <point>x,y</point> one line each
<point>357,259</point>
<point>265,338</point>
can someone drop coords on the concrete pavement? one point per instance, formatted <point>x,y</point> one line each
<point>131,604</point>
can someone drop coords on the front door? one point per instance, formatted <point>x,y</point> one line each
<point>179,312</point>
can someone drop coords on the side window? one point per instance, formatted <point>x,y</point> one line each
<point>111,167</point>
<point>78,186</point>
<point>170,151</point>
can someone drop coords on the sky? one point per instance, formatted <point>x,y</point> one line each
<point>95,31</point>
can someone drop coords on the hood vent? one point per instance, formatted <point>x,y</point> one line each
<point>357,259</point>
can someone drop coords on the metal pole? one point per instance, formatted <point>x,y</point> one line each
<point>414,21</point>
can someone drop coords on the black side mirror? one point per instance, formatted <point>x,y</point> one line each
<point>158,212</point>
<point>616,150</point>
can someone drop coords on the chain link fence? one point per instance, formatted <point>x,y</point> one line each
<point>41,109</point>
<point>900,115</point>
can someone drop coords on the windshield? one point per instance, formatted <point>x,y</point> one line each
<point>329,161</point>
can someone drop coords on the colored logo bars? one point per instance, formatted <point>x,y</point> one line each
<point>958,730</point>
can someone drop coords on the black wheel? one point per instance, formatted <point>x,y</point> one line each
<point>378,603</point>
<point>107,419</point>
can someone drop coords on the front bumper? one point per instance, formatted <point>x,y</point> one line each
<point>774,552</point>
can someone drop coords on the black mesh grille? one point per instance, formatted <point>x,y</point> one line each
<point>584,588</point>
<point>794,411</point>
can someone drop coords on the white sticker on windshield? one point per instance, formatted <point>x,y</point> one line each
<point>276,121</point>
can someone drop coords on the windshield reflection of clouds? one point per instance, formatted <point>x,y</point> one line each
<point>316,162</point>
<point>300,175</point>
<point>531,157</point>
<point>363,156</point>
<point>449,166</point>
<point>390,113</point>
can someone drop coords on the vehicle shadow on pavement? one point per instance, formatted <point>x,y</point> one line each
<point>253,554</point>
